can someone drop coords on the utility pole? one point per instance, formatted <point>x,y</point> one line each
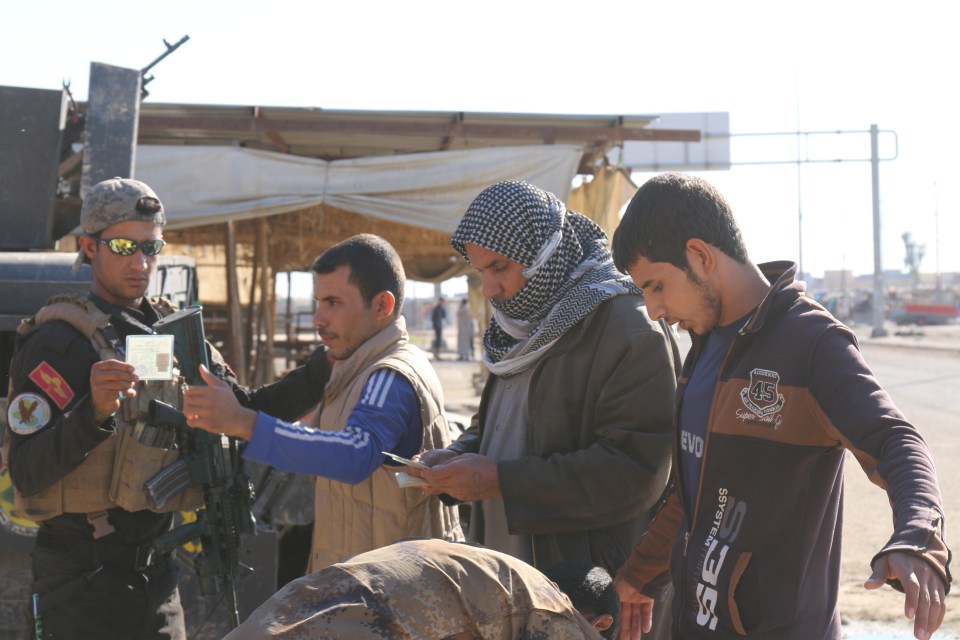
<point>874,159</point>
<point>936,238</point>
<point>879,300</point>
<point>800,275</point>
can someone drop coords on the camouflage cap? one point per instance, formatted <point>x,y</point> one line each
<point>118,200</point>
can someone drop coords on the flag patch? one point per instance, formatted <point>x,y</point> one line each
<point>52,383</point>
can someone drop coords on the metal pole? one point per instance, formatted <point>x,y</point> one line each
<point>879,302</point>
<point>936,238</point>
<point>799,213</point>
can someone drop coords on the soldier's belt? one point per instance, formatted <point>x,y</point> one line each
<point>129,557</point>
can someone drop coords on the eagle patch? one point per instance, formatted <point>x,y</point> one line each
<point>28,412</point>
<point>52,383</point>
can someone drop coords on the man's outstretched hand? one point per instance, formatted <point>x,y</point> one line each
<point>924,591</point>
<point>214,408</point>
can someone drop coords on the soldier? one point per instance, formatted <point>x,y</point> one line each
<point>75,462</point>
<point>432,589</point>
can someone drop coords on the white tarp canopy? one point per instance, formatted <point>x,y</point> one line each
<point>209,185</point>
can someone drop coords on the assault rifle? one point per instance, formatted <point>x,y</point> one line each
<point>209,461</point>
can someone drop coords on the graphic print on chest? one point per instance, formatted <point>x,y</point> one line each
<point>762,398</point>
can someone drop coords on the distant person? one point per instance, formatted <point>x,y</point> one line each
<point>772,394</point>
<point>464,331</point>
<point>437,318</point>
<point>571,445</point>
<point>381,395</point>
<point>435,590</point>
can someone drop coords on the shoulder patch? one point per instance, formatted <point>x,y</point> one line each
<point>28,412</point>
<point>52,383</point>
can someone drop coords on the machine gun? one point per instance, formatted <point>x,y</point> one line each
<point>211,462</point>
<point>144,78</point>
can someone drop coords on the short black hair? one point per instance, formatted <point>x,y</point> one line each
<point>590,589</point>
<point>666,211</point>
<point>374,265</point>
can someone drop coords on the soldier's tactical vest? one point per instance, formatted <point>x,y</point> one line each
<point>113,474</point>
<point>350,519</point>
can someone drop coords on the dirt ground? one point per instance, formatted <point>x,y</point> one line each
<point>867,506</point>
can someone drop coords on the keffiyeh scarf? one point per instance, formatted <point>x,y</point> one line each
<point>569,270</point>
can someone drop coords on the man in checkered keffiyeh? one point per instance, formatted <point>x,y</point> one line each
<point>571,445</point>
<point>568,270</point>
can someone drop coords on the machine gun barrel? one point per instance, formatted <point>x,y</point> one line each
<point>145,80</point>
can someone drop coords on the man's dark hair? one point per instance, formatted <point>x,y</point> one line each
<point>668,210</point>
<point>374,266</point>
<point>590,589</point>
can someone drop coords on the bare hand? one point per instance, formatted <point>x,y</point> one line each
<point>109,379</point>
<point>924,591</point>
<point>431,458</point>
<point>636,611</point>
<point>214,408</point>
<point>466,477</point>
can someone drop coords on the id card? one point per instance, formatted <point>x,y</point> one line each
<point>406,461</point>
<point>151,356</point>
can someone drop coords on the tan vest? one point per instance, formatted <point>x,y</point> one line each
<point>112,475</point>
<point>350,519</point>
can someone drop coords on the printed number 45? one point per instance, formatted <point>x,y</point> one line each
<point>763,391</point>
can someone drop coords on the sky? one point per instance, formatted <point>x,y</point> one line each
<point>775,67</point>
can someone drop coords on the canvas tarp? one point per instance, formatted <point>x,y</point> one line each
<point>602,198</point>
<point>208,185</point>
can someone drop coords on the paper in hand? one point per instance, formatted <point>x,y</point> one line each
<point>151,356</point>
<point>406,480</point>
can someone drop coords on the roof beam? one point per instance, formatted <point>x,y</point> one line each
<point>278,142</point>
<point>548,133</point>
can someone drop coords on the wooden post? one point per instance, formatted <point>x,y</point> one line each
<point>253,329</point>
<point>265,369</point>
<point>236,353</point>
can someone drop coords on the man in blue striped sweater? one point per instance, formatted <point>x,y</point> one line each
<point>382,395</point>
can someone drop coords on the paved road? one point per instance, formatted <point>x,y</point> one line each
<point>925,385</point>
